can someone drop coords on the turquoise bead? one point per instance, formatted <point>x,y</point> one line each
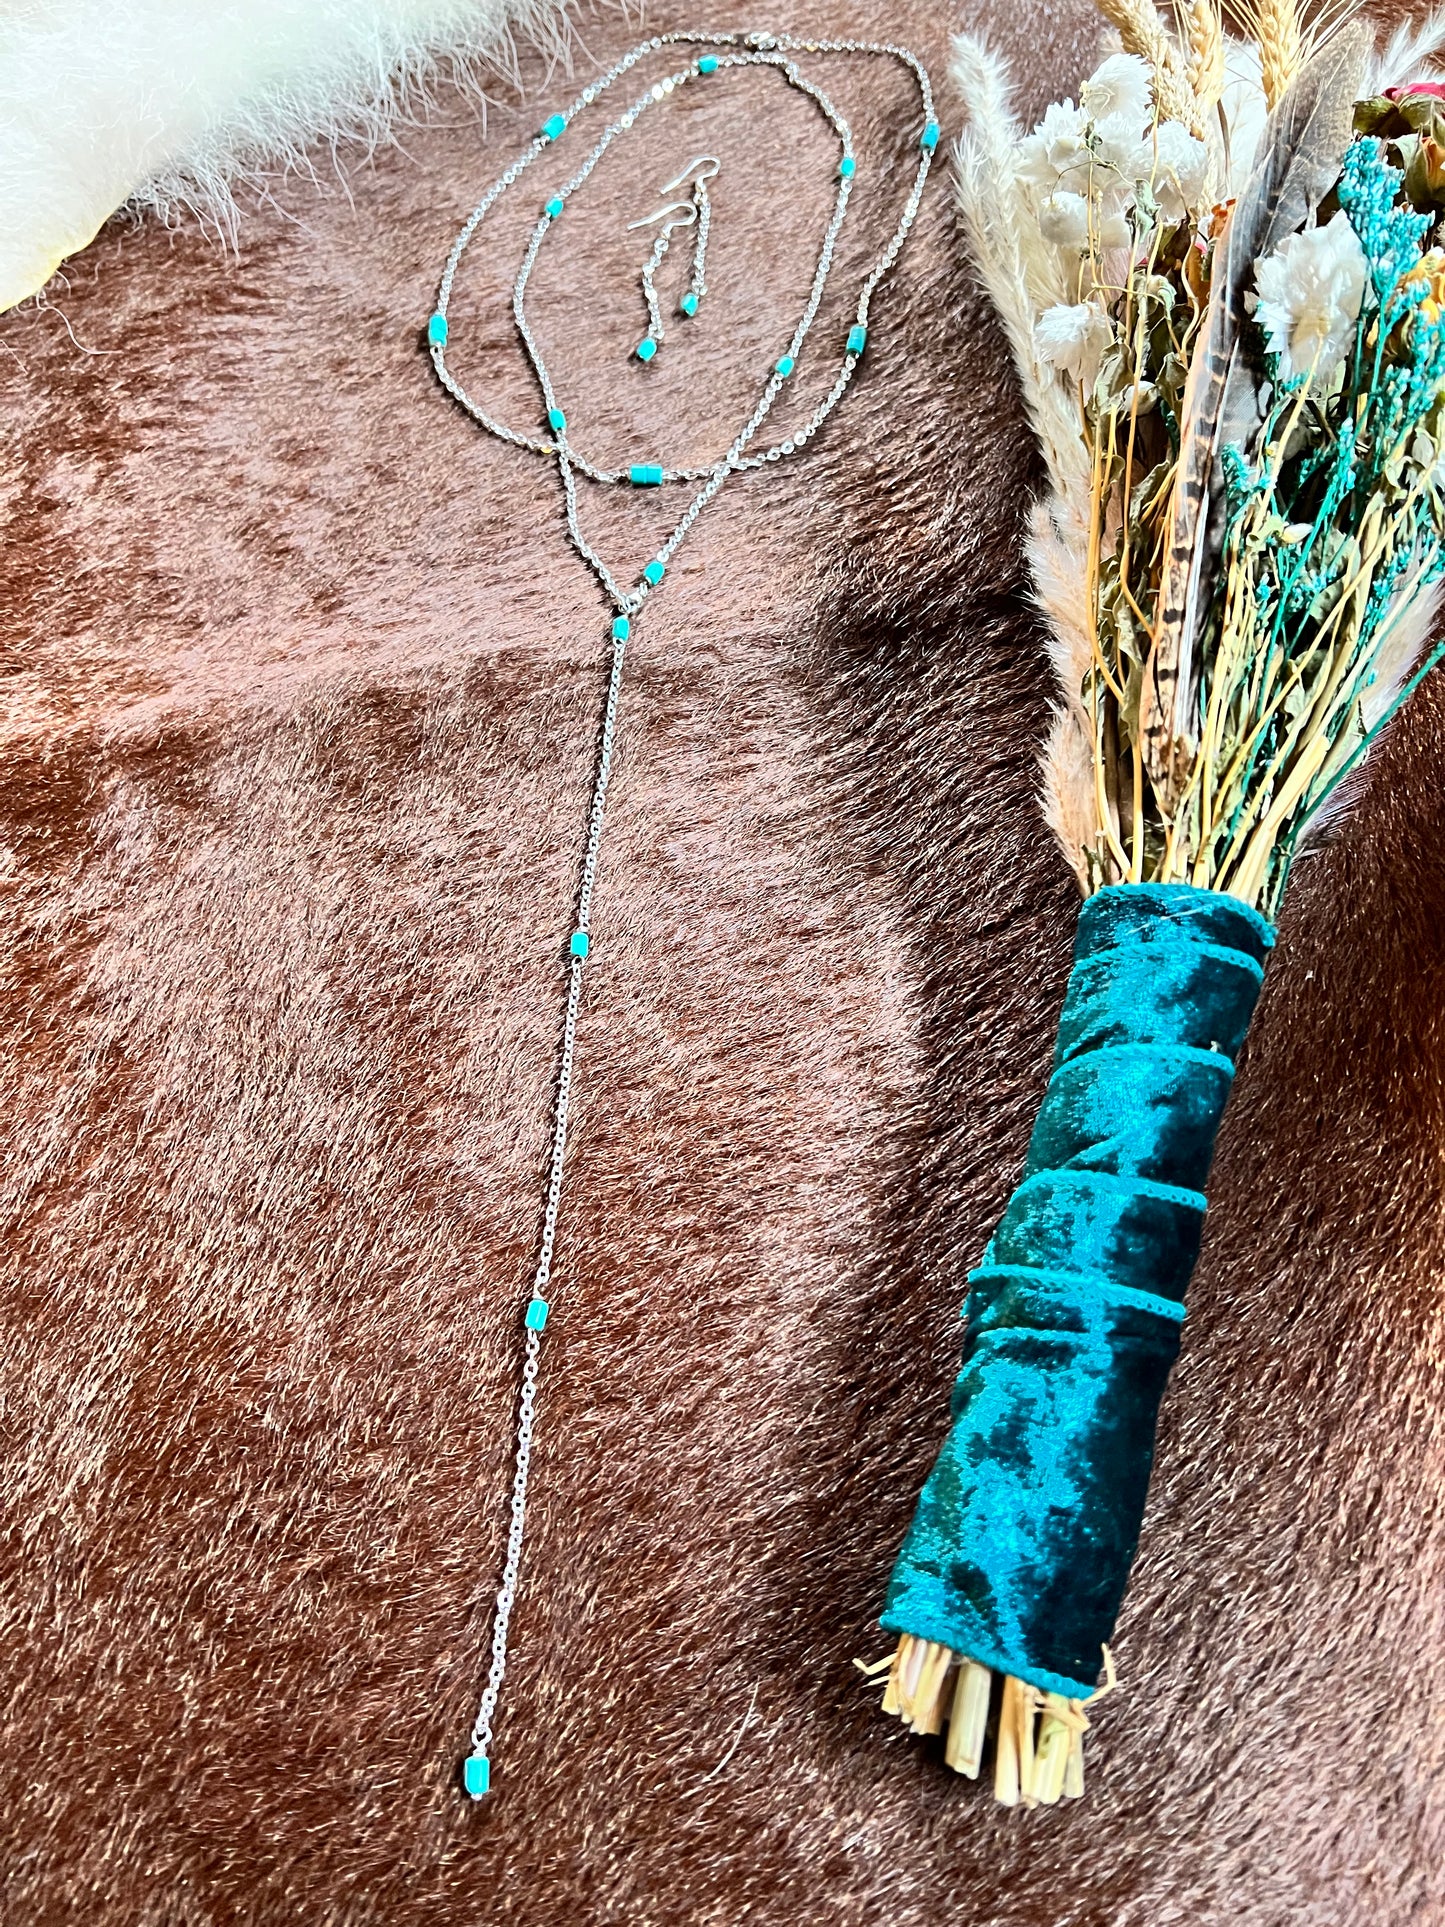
<point>784,365</point>
<point>708,64</point>
<point>857,338</point>
<point>581,943</point>
<point>553,127</point>
<point>655,571</point>
<point>621,628</point>
<point>554,206</point>
<point>688,304</point>
<point>537,1315</point>
<point>477,1775</point>
<point>644,474</point>
<point>847,167</point>
<point>436,330</point>
<point>556,420</point>
<point>646,348</point>
<point>929,138</point>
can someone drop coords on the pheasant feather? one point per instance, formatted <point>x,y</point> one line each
<point>1306,136</point>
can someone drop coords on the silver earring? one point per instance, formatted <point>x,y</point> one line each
<point>672,214</point>
<point>705,168</point>
<point>696,214</point>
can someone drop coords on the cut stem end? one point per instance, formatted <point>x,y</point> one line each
<point>1039,1737</point>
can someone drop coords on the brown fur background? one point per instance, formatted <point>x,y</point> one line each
<point>302,686</point>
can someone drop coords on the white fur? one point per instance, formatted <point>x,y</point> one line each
<point>166,103</point>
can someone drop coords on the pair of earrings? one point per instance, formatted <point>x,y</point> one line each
<point>695,213</point>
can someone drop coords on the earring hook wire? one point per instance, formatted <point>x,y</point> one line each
<point>709,161</point>
<point>684,215</point>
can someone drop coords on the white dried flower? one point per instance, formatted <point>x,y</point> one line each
<point>1310,290</point>
<point>1115,144</point>
<point>1074,340</point>
<point>1175,167</point>
<point>1064,220</point>
<point>1119,88</point>
<point>1074,223</point>
<point>1112,226</point>
<point>1055,154</point>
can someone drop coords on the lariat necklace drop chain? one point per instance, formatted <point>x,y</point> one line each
<point>705,57</point>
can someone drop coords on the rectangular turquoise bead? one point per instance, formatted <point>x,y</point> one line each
<point>556,420</point>
<point>537,1315</point>
<point>857,338</point>
<point>553,127</point>
<point>436,330</point>
<point>708,64</point>
<point>581,943</point>
<point>645,474</point>
<point>930,136</point>
<point>655,571</point>
<point>621,628</point>
<point>554,206</point>
<point>477,1775</point>
<point>847,167</point>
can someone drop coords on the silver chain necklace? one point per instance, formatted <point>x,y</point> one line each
<point>714,54</point>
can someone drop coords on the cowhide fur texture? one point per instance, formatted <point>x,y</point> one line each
<point>303,686</point>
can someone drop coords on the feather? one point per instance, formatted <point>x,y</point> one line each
<point>1411,53</point>
<point>164,104</point>
<point>1408,628</point>
<point>1243,114</point>
<point>1304,141</point>
<point>1411,628</point>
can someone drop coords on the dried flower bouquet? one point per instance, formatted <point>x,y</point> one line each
<point>1221,280</point>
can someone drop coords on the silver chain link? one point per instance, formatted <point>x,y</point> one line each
<point>734,51</point>
<point>702,200</point>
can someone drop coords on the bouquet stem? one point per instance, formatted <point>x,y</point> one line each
<point>1039,1741</point>
<point>1019,1551</point>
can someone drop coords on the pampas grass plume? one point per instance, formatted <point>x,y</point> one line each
<point>1020,273</point>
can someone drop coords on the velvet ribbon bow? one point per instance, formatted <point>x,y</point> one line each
<point>1020,1547</point>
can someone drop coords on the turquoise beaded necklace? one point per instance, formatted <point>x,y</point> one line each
<point>721,53</point>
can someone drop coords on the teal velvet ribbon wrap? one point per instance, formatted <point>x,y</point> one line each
<point>1020,1547</point>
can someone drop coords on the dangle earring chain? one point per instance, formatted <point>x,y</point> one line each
<point>674,214</point>
<point>696,214</point>
<point>702,201</point>
<point>702,56</point>
<point>705,168</point>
